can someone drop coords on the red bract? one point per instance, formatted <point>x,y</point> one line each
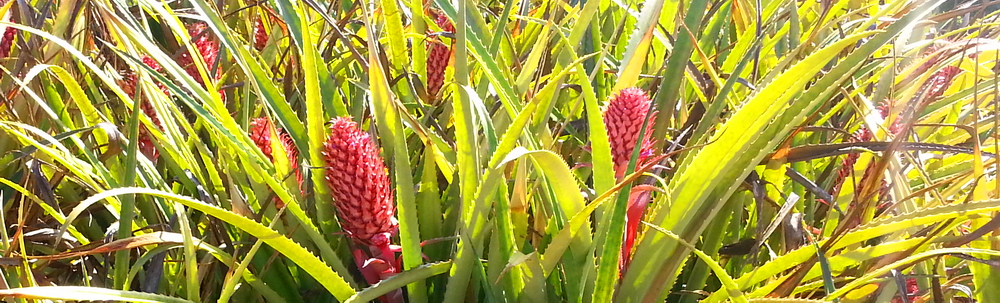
<point>623,119</point>
<point>358,178</point>
<point>438,58</point>
<point>260,133</point>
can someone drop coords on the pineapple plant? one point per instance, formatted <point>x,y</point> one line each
<point>529,151</point>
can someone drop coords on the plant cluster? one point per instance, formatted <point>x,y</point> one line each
<point>499,151</point>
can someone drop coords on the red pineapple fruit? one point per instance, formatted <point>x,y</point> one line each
<point>145,138</point>
<point>623,119</point>
<point>209,51</point>
<point>7,40</point>
<point>864,134</point>
<point>260,133</point>
<point>940,80</point>
<point>129,84</point>
<point>935,87</point>
<point>207,48</point>
<point>358,178</point>
<point>259,35</point>
<point>438,58</point>
<point>912,291</point>
<point>131,79</point>
<point>146,146</point>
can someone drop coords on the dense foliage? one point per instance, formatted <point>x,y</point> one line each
<point>499,151</point>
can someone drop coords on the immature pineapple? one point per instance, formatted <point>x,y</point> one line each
<point>130,81</point>
<point>358,178</point>
<point>940,81</point>
<point>934,88</point>
<point>623,119</point>
<point>260,133</point>
<point>912,291</point>
<point>145,138</point>
<point>259,35</point>
<point>145,145</point>
<point>128,84</point>
<point>7,40</point>
<point>438,58</point>
<point>208,48</point>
